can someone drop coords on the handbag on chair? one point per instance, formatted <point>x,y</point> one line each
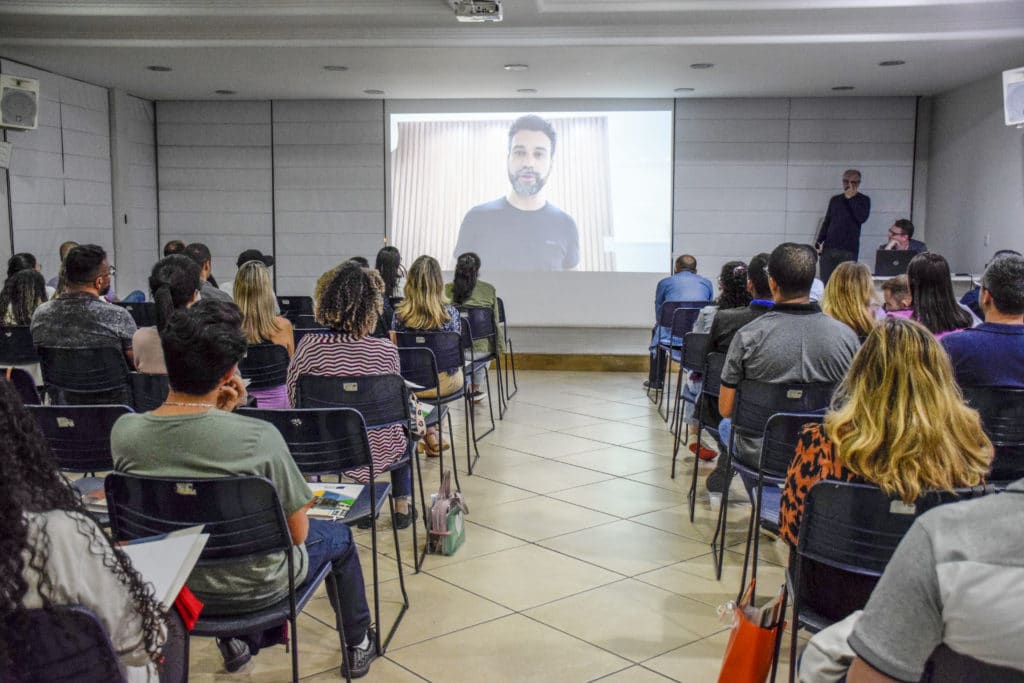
<point>447,509</point>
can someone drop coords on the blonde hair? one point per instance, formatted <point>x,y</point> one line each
<point>254,295</point>
<point>849,296</point>
<point>424,305</point>
<point>898,418</point>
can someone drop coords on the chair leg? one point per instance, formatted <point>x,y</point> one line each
<point>451,437</point>
<point>664,398</point>
<point>718,540</point>
<point>471,458</point>
<point>334,598</point>
<point>693,481</point>
<point>502,404</point>
<point>675,447</point>
<point>779,635</point>
<point>753,527</point>
<point>418,557</point>
<point>376,570</point>
<point>794,626</point>
<point>382,641</point>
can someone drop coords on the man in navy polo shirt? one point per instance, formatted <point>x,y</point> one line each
<point>992,354</point>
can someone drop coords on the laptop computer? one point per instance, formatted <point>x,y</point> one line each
<point>891,262</point>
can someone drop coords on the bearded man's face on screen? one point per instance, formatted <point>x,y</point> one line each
<point>529,162</point>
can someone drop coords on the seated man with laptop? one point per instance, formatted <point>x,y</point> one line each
<point>893,256</point>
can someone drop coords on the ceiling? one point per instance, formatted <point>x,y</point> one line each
<point>263,49</point>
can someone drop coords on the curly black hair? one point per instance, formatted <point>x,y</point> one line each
<point>352,301</point>
<point>22,293</point>
<point>30,483</point>
<point>732,283</point>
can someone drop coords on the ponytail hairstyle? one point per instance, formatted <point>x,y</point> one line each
<point>467,270</point>
<point>389,265</point>
<point>173,283</point>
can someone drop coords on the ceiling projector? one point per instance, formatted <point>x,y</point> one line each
<point>477,10</point>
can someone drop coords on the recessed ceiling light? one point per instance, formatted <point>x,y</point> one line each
<point>335,67</point>
<point>892,62</point>
<point>701,65</point>
<point>516,67</point>
<point>373,92</point>
<point>224,92</point>
<point>683,90</point>
<point>842,87</point>
<point>157,67</point>
<point>526,91</point>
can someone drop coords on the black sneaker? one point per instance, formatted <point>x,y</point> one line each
<point>404,520</point>
<point>648,384</point>
<point>359,659</point>
<point>235,652</point>
<point>718,481</point>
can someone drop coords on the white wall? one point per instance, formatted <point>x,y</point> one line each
<point>975,177</point>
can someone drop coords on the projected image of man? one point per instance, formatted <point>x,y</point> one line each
<point>522,230</point>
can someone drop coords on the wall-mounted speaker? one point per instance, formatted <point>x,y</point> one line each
<point>1013,96</point>
<point>19,103</point>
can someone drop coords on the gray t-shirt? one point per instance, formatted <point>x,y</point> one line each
<point>79,320</point>
<point>790,343</point>
<point>955,579</point>
<point>219,444</point>
<point>208,291</point>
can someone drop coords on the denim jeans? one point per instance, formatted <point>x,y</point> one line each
<point>401,481</point>
<point>332,542</point>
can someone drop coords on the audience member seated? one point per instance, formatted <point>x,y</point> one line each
<point>850,298</point>
<point>896,293</point>
<point>79,318</point>
<point>200,253</point>
<point>174,286</point>
<point>26,261</point>
<point>389,265</point>
<point>254,294</point>
<point>897,421</point>
<point>468,290</point>
<point>793,342</point>
<point>900,235</point>
<point>57,282</point>
<point>174,247</point>
<point>970,299</point>
<point>195,434</point>
<point>727,323</point>
<point>952,582</point>
<point>22,294</point>
<point>992,354</point>
<point>56,554</point>
<point>349,306</point>
<point>733,294</point>
<point>931,294</point>
<point>684,285</point>
<point>425,309</point>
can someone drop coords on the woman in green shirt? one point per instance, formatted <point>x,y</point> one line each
<point>469,291</point>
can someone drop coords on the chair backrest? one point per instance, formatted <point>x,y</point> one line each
<point>292,307</point>
<point>695,345</point>
<point>481,321</point>
<point>418,366</point>
<point>713,364</point>
<point>60,644</point>
<point>243,515</point>
<point>446,346</point>
<point>947,666</point>
<point>781,434</point>
<point>668,311</point>
<point>321,440</point>
<point>758,401</point>
<point>142,312</point>
<point>382,400</point>
<point>1002,418</point>
<point>501,311</point>
<point>85,375</point>
<point>22,383</point>
<point>306,321</point>
<point>16,346</point>
<point>148,391</point>
<point>79,436</point>
<point>684,318</point>
<point>266,365</point>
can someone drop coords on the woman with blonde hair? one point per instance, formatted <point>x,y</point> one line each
<point>425,308</point>
<point>254,295</point>
<point>850,298</point>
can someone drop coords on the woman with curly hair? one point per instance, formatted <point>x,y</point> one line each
<point>467,289</point>
<point>349,305</point>
<point>850,298</point>
<point>22,293</point>
<point>254,296</point>
<point>53,553</point>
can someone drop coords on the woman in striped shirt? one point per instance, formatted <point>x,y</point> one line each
<point>349,304</point>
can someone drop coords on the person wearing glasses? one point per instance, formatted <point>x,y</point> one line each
<point>839,236</point>
<point>900,235</point>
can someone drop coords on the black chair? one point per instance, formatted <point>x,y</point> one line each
<point>684,316</point>
<point>781,434</point>
<point>292,307</point>
<point>265,365</point>
<point>468,366</point>
<point>483,327</point>
<point>1002,418</point>
<point>710,388</point>
<point>333,441</point>
<point>85,376</point>
<point>848,534</point>
<point>244,518</point>
<point>60,644</point>
<point>947,666</point>
<point>79,436</point>
<point>142,312</point>
<point>510,389</point>
<point>22,383</point>
<point>692,360</point>
<point>16,346</point>
<point>755,403</point>
<point>148,391</point>
<point>307,321</point>
<point>424,370</point>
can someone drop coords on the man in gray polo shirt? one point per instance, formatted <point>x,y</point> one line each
<point>794,342</point>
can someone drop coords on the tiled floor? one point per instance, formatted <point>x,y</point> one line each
<point>580,562</point>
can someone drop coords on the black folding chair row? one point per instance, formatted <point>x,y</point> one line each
<point>683,318</point>
<point>85,376</point>
<point>692,360</point>
<point>16,346</point>
<point>480,325</point>
<point>292,307</point>
<point>142,312</point>
<point>265,365</point>
<point>710,389</point>
<point>510,361</point>
<point>1002,418</point>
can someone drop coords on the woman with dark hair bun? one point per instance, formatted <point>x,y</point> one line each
<point>174,284</point>
<point>932,301</point>
<point>467,289</point>
<point>54,553</point>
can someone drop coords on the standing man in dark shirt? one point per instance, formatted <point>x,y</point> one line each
<point>839,237</point>
<point>522,230</point>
